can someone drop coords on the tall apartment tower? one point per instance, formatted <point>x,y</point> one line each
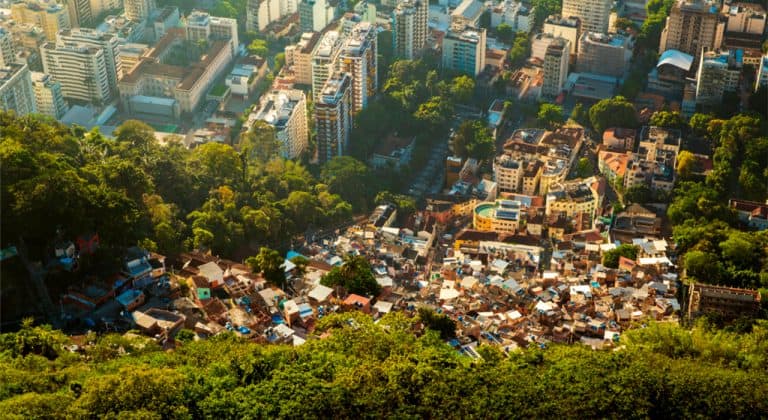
<point>7,53</point>
<point>138,10</point>
<point>48,97</point>
<point>286,111</point>
<point>201,25</point>
<point>315,15</point>
<point>568,28</point>
<point>324,60</point>
<point>464,50</point>
<point>260,13</point>
<point>718,73</point>
<point>358,58</point>
<point>604,54</point>
<point>51,18</point>
<point>409,28</point>
<point>16,89</point>
<point>692,26</point>
<point>593,14</point>
<point>81,70</point>
<point>96,39</point>
<point>333,117</point>
<point>299,57</point>
<point>555,68</point>
<point>80,13</point>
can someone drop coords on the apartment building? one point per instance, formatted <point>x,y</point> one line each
<point>324,60</point>
<point>516,14</point>
<point>49,100</point>
<point>604,54</point>
<point>729,302</point>
<point>358,58</point>
<point>464,50</point>
<point>574,197</point>
<point>200,25</point>
<point>409,28</point>
<point>7,51</point>
<point>262,13</point>
<point>80,13</point>
<point>16,89</point>
<point>315,15</point>
<point>692,26</point>
<point>139,10</point>
<point>593,14</point>
<point>555,68</point>
<point>745,18</point>
<point>298,57</point>
<point>508,173</point>
<point>719,72</point>
<point>81,69</point>
<point>333,117</point>
<point>286,111</point>
<point>106,42</point>
<point>99,7</point>
<point>567,28</point>
<point>50,16</point>
<point>499,216</point>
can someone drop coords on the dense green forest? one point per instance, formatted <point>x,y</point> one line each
<point>130,189</point>
<point>390,368</point>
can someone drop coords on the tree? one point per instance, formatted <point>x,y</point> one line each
<point>434,113</point>
<point>611,258</point>
<point>462,88</point>
<point>269,263</point>
<point>667,119</point>
<point>504,32</point>
<point>580,115</point>
<point>699,123</point>
<point>702,266</point>
<point>258,47</point>
<point>520,51</point>
<point>473,140</point>
<point>279,62</point>
<point>260,142</point>
<point>303,208</point>
<point>550,115</point>
<point>686,164</point>
<point>355,275</point>
<point>584,168</point>
<point>613,112</point>
<point>347,177</point>
<point>625,24</point>
<point>441,323</point>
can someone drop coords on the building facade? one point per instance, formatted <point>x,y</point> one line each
<point>464,50</point>
<point>298,57</point>
<point>139,10</point>
<point>259,14</point>
<point>555,68</point>
<point>49,100</point>
<point>286,111</point>
<point>324,60</point>
<point>80,13</point>
<point>568,28</point>
<point>333,117</point>
<point>49,16</point>
<point>359,58</point>
<point>603,54</point>
<point>692,26</point>
<point>593,14</point>
<point>719,72</point>
<point>81,70</point>
<point>95,39</point>
<point>16,89</point>
<point>202,26</point>
<point>409,28</point>
<point>315,15</point>
<point>516,14</point>
<point>7,52</point>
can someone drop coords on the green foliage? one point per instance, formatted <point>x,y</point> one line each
<point>699,123</point>
<point>269,263</point>
<point>579,115</point>
<point>550,115</point>
<point>473,139</point>
<point>613,112</point>
<point>584,168</point>
<point>347,176</point>
<point>258,47</point>
<point>382,369</point>
<point>505,33</point>
<point>611,258</point>
<point>441,323</point>
<point>667,119</point>
<point>521,49</point>
<point>544,8</point>
<point>355,275</point>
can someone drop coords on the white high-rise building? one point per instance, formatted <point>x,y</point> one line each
<point>98,7</point>
<point>718,73</point>
<point>333,117</point>
<point>315,15</point>
<point>48,97</point>
<point>81,70</point>
<point>201,25</point>
<point>286,111</point>
<point>16,89</point>
<point>555,68</point>
<point>298,58</point>
<point>358,58</point>
<point>593,14</point>
<point>692,26</point>
<point>409,28</point>
<point>139,10</point>
<point>261,13</point>
<point>324,60</point>
<point>7,53</point>
<point>568,28</point>
<point>464,50</point>
<point>93,38</point>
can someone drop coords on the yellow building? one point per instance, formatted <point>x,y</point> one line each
<point>50,17</point>
<point>499,216</point>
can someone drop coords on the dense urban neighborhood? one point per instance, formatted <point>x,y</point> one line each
<point>383,208</point>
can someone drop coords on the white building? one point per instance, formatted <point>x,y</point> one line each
<point>508,173</point>
<point>16,89</point>
<point>81,70</point>
<point>604,54</point>
<point>333,117</point>
<point>7,53</point>
<point>298,58</point>
<point>106,42</point>
<point>593,14</point>
<point>409,28</point>
<point>464,50</point>
<point>139,10</point>
<point>359,59</point>
<point>48,97</point>
<point>467,13</point>
<point>718,73</point>
<point>324,60</point>
<point>746,18</point>
<point>201,25</point>
<point>568,28</point>
<point>286,111</point>
<point>262,13</point>
<point>539,44</point>
<point>513,13</point>
<point>98,7</point>
<point>315,15</point>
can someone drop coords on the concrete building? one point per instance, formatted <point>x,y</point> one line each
<point>539,44</point>
<point>508,173</point>
<point>7,52</point>
<point>719,72</point>
<point>124,29</point>
<point>262,13</point>
<point>139,10</point>
<point>555,68</point>
<point>333,117</point>
<point>593,14</point>
<point>324,60</point>
<point>514,13</point>
<point>99,7</point>
<point>409,28</point>
<point>130,55</point>
<point>729,302</point>
<point>568,28</point>
<point>201,25</point>
<point>762,73</point>
<point>48,97</point>
<point>574,197</point>
<point>499,216</point>
<point>315,15</point>
<point>464,50</point>
<point>16,89</point>
<point>692,26</point>
<point>81,69</point>
<point>164,19</point>
<point>298,58</point>
<point>467,13</point>
<point>80,13</point>
<point>286,111</point>
<point>106,42</point>
<point>50,16</point>
<point>745,18</point>
<point>359,58</point>
<point>603,54</point>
